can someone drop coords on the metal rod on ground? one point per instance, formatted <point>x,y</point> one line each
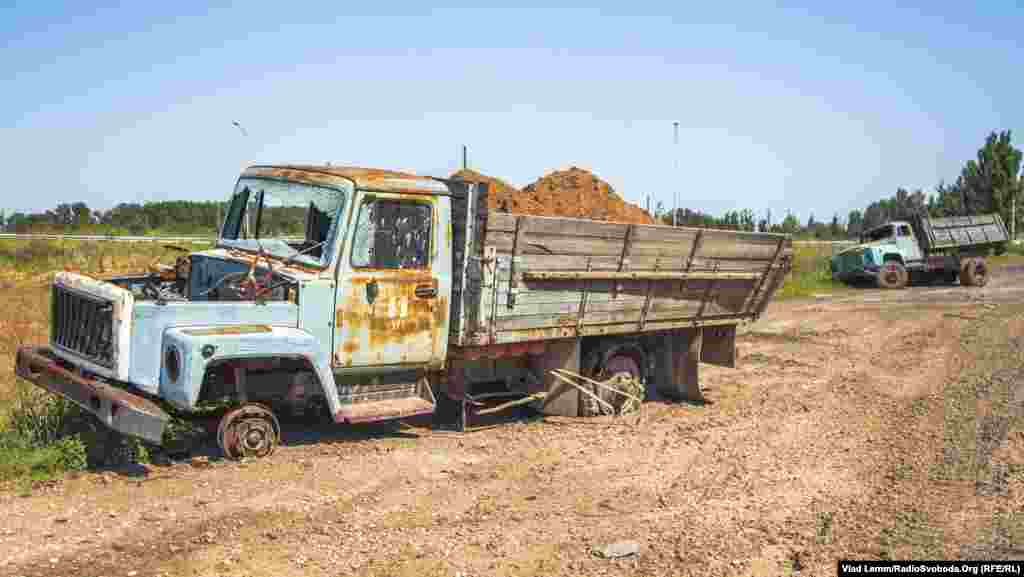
<point>599,384</point>
<point>524,401</point>
<point>600,401</point>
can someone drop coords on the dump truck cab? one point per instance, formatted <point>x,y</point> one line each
<point>892,242</point>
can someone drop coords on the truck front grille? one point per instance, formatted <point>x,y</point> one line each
<point>83,324</point>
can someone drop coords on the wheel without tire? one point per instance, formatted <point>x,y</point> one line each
<point>248,431</point>
<point>892,276</point>
<point>975,272</point>
<point>601,365</point>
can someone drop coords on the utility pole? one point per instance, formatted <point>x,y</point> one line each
<point>675,172</point>
<point>465,157</point>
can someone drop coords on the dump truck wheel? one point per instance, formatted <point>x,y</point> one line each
<point>892,276</point>
<point>248,431</point>
<point>975,272</point>
<point>604,364</point>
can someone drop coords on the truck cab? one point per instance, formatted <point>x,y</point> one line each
<point>883,256</point>
<point>897,241</point>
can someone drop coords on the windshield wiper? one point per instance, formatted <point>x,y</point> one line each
<point>299,253</point>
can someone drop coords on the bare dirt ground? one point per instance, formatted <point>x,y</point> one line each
<point>871,424</point>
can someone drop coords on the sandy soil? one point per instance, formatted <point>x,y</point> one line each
<point>871,424</point>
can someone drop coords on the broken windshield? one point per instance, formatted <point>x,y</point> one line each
<point>286,219</point>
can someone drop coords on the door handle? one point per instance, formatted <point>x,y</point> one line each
<point>426,291</point>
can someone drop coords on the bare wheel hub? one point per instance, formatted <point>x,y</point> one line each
<point>892,274</point>
<point>621,364</point>
<point>248,431</point>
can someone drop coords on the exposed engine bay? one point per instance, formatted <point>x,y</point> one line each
<point>199,277</point>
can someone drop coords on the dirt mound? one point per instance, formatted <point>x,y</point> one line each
<point>574,192</point>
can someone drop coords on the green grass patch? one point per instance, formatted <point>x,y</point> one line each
<point>44,436</point>
<point>810,274</point>
<point>36,441</point>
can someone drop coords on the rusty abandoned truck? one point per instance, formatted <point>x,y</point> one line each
<point>923,249</point>
<point>371,295</point>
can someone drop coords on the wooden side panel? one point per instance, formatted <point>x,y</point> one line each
<point>964,231</point>
<point>512,305</point>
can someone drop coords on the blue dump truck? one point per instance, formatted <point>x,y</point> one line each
<point>362,295</point>
<point>923,250</point>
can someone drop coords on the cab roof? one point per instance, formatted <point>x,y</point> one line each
<point>346,176</point>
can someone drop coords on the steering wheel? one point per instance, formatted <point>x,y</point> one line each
<point>151,290</point>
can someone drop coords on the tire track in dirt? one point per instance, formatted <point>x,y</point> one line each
<point>812,449</point>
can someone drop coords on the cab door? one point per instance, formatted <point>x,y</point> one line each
<point>907,243</point>
<point>394,280</point>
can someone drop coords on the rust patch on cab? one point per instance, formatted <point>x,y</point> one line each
<point>384,315</point>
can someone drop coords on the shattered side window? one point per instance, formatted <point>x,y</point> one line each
<point>392,234</point>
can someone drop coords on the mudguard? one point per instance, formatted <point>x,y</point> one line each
<point>186,351</point>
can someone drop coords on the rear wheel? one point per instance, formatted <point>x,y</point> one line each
<point>892,276</point>
<point>607,362</point>
<point>974,272</point>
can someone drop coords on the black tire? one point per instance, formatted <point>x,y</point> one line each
<point>950,276</point>
<point>892,276</point>
<point>975,272</point>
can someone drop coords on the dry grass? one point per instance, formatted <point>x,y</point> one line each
<point>26,269</point>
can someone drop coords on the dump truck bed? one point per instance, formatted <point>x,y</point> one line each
<point>956,232</point>
<point>527,278</point>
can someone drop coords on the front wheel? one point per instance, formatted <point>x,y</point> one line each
<point>892,276</point>
<point>251,430</point>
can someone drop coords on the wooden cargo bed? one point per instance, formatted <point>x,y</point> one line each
<point>525,278</point>
<point>959,232</point>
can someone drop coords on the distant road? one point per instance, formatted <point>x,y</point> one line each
<point>100,237</point>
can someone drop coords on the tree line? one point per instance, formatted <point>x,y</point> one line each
<point>991,182</point>
<point>181,217</point>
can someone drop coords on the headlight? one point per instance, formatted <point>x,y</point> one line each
<point>172,363</point>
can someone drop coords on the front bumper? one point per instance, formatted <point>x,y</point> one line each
<point>121,410</point>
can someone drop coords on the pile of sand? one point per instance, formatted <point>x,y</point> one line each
<point>574,193</point>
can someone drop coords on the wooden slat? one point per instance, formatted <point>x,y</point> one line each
<point>635,275</point>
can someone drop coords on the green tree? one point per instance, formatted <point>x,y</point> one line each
<point>790,225</point>
<point>992,182</point>
<point>854,222</point>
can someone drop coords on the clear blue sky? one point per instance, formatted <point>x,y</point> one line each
<point>821,107</point>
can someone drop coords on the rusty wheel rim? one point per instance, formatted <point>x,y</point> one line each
<point>979,273</point>
<point>892,275</point>
<point>249,431</point>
